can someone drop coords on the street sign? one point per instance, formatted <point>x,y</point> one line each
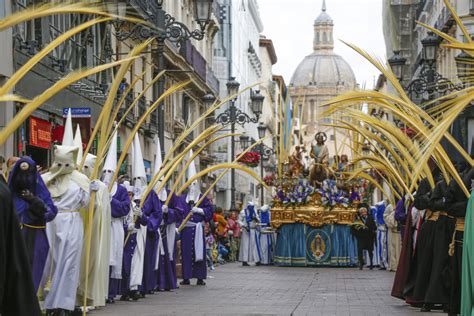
<point>78,112</point>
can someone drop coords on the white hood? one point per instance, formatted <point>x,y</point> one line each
<point>68,137</point>
<point>78,143</point>
<point>162,195</point>
<point>138,170</point>
<point>194,190</point>
<point>89,165</point>
<point>110,165</point>
<point>265,208</point>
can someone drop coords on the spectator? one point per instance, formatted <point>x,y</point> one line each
<point>364,229</point>
<point>233,231</point>
<point>221,224</point>
<point>209,247</point>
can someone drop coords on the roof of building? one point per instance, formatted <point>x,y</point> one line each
<point>323,69</point>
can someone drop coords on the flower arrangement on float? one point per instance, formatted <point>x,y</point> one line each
<point>332,196</point>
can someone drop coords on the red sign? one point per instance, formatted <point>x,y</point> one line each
<point>40,133</point>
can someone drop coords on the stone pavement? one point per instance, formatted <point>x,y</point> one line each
<point>236,290</point>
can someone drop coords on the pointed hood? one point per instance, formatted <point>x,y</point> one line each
<point>162,195</point>
<point>110,165</point>
<point>77,142</point>
<point>68,137</point>
<point>194,190</point>
<point>89,165</point>
<point>138,170</point>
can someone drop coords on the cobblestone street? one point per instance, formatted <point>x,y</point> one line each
<point>235,290</point>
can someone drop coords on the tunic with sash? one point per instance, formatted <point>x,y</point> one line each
<point>193,258</point>
<point>152,217</point>
<point>34,227</point>
<point>120,207</point>
<point>66,237</point>
<point>266,240</point>
<point>167,251</point>
<point>249,240</point>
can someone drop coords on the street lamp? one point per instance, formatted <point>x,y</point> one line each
<point>430,47</point>
<point>208,100</point>
<point>164,27</point>
<point>397,62</point>
<point>234,115</point>
<point>233,87</point>
<point>265,153</point>
<point>244,141</point>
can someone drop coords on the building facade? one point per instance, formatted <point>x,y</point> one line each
<point>406,36</point>
<point>97,45</point>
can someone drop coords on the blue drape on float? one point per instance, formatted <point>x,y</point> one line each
<point>304,245</point>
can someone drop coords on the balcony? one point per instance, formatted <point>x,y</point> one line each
<point>212,81</point>
<point>194,59</point>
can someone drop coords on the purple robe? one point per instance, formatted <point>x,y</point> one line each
<point>167,266</point>
<point>192,269</point>
<point>120,207</point>
<point>401,214</point>
<point>152,217</point>
<point>33,226</point>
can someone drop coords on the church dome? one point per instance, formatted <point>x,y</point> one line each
<point>323,69</point>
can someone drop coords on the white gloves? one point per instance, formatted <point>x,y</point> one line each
<point>177,230</point>
<point>137,212</point>
<point>131,227</point>
<point>198,210</point>
<point>230,233</point>
<point>94,185</point>
<point>164,208</point>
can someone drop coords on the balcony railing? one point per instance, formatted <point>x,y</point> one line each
<point>194,58</point>
<point>212,80</point>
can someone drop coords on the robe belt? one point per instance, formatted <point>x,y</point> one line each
<point>460,224</point>
<point>433,216</point>
<point>31,226</point>
<point>69,211</point>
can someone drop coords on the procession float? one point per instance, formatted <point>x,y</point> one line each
<point>313,209</point>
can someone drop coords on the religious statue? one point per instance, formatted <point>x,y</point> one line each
<point>296,167</point>
<point>320,155</point>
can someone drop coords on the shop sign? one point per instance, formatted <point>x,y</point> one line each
<point>40,133</point>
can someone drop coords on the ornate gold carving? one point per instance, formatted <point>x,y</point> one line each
<point>312,215</point>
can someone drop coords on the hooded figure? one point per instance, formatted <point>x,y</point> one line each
<point>393,237</point>
<point>249,240</point>
<point>17,293</point>
<point>34,208</point>
<point>120,207</point>
<point>456,206</point>
<point>193,249</point>
<point>266,237</point>
<point>381,245</point>
<point>78,143</point>
<point>166,258</point>
<point>138,271</point>
<point>70,191</point>
<point>100,244</point>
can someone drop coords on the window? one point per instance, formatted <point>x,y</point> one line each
<point>185,110</point>
<point>471,7</point>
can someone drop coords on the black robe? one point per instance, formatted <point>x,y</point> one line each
<point>17,294</point>
<point>456,205</point>
<point>439,287</point>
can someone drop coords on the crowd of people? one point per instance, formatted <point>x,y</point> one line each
<point>75,253</point>
<point>421,238</point>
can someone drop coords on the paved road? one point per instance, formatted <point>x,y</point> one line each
<point>236,290</point>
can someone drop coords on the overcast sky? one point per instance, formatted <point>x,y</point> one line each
<point>289,23</point>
